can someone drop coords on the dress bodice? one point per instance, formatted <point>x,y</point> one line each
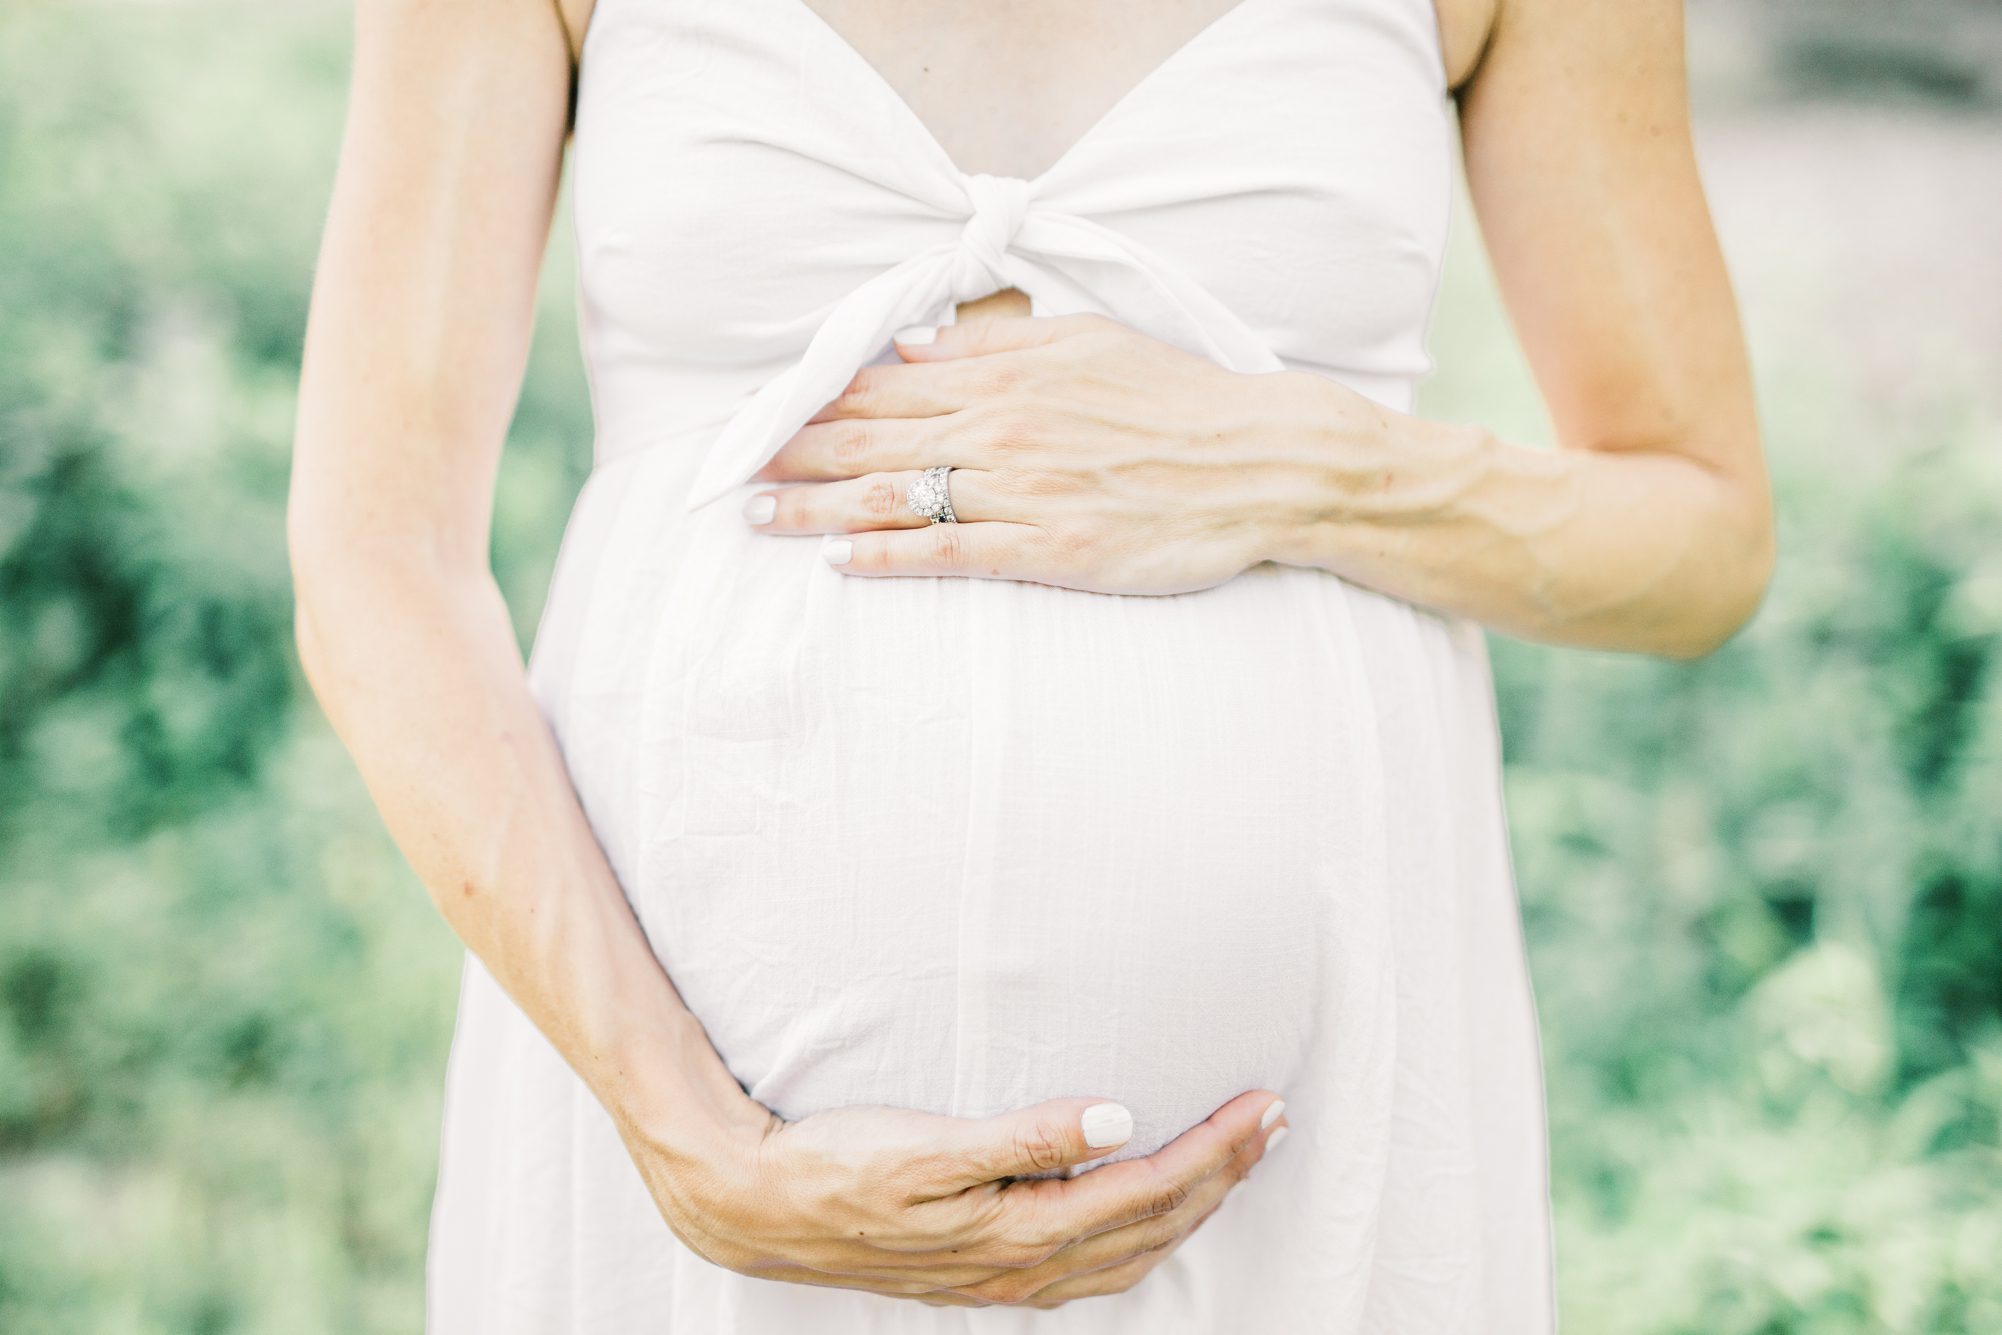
<point>757,212</point>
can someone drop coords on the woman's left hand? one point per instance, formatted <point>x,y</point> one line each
<point>1084,454</point>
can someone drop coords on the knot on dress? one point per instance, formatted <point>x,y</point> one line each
<point>999,205</point>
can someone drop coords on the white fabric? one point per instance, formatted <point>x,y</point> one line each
<point>966,844</point>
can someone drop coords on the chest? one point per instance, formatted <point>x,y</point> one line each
<point>741,170</point>
<point>1005,86</point>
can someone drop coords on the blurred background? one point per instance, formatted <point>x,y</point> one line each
<point>1763,891</point>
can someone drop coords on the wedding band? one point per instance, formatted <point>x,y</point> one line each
<point>930,496</point>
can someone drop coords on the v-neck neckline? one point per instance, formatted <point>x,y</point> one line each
<point>1187,50</point>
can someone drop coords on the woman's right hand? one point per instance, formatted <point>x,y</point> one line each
<point>917,1205</point>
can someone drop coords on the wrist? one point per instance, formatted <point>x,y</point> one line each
<point>673,1095</point>
<point>1326,449</point>
<point>1362,476</point>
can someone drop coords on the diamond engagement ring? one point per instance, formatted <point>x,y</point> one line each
<point>930,497</point>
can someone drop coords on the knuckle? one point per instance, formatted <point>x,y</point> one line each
<point>1014,1256</point>
<point>948,548</point>
<point>1012,1289</point>
<point>984,1227</point>
<point>1039,1253</point>
<point>1022,1250</point>
<point>1161,1233</point>
<point>988,1218</point>
<point>1109,336</point>
<point>902,1180</point>
<point>881,498</point>
<point>1041,1144</point>
<point>851,444</point>
<point>859,394</point>
<point>931,1163</point>
<point>921,1226</point>
<point>997,429</point>
<point>1167,1197</point>
<point>1005,429</point>
<point>1069,544</point>
<point>992,1234</point>
<point>1001,376</point>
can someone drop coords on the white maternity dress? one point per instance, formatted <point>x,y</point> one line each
<point>966,844</point>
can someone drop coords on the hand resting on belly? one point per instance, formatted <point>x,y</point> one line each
<point>945,1209</point>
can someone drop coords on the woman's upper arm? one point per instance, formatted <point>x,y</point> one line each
<point>1579,160</point>
<point>424,294</point>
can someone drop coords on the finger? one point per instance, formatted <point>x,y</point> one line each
<point>1116,1278</point>
<point>934,1273</point>
<point>1115,1246</point>
<point>831,450</point>
<point>1098,1264</point>
<point>888,1285</point>
<point>1002,333</point>
<point>1099,1283</point>
<point>1064,1210</point>
<point>989,1287</point>
<point>989,549</point>
<point>877,501</point>
<point>908,388</point>
<point>1041,1138</point>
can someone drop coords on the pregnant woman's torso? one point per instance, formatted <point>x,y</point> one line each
<point>965,844</point>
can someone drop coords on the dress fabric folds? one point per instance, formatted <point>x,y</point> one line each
<point>966,844</point>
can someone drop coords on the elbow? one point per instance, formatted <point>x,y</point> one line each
<point>315,526</point>
<point>312,548</point>
<point>1736,582</point>
<point>335,567</point>
<point>360,569</point>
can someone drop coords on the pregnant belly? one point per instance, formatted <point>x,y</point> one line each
<point>963,845</point>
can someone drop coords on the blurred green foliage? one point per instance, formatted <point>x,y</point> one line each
<point>1763,891</point>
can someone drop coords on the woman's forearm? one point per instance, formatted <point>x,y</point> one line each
<point>1629,549</point>
<point>418,669</point>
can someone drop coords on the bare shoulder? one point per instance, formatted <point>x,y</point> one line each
<point>1464,29</point>
<point>576,15</point>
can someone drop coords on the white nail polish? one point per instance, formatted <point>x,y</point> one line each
<point>838,551</point>
<point>760,509</point>
<point>916,333</point>
<point>1106,1124</point>
<point>1271,1113</point>
<point>1272,1141</point>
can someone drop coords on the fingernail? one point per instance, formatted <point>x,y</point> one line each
<point>838,551</point>
<point>916,333</point>
<point>1271,1113</point>
<point>760,509</point>
<point>1272,1141</point>
<point>1106,1124</point>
